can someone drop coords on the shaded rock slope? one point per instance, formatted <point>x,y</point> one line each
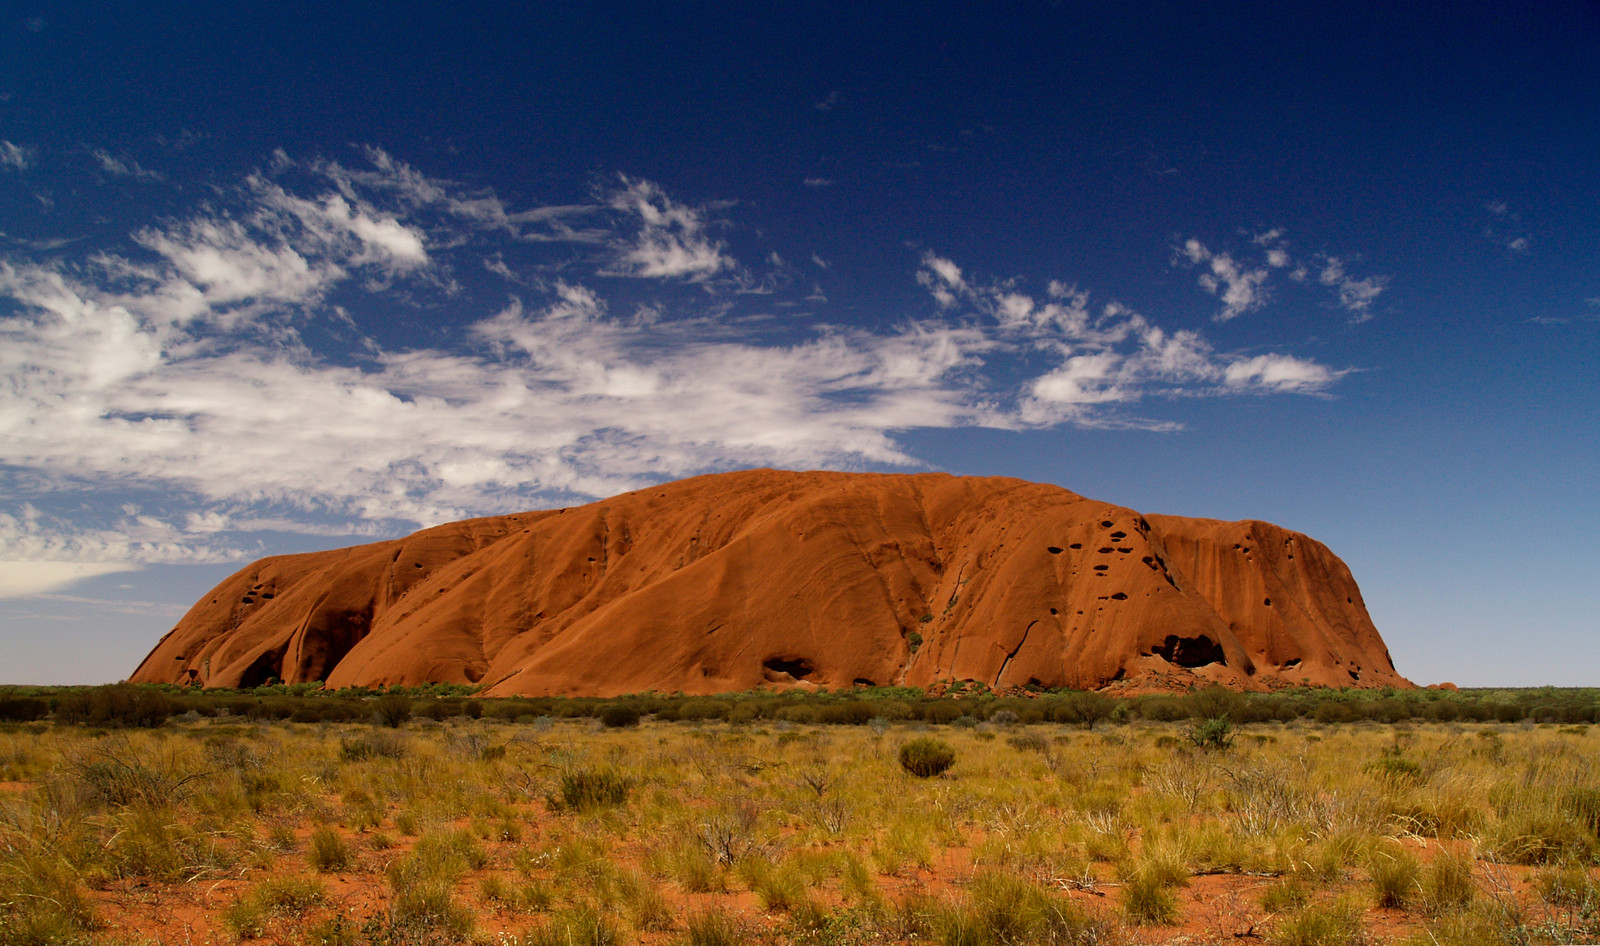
<point>769,578</point>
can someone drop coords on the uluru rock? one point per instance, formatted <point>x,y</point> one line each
<point>769,578</point>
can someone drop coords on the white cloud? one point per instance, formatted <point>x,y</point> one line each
<point>24,579</point>
<point>182,366</point>
<point>818,182</point>
<point>13,156</point>
<point>124,167</point>
<point>1278,373</point>
<point>40,554</point>
<point>1504,228</point>
<point>1244,287</point>
<point>670,240</point>
<point>1241,288</point>
<point>942,278</point>
<point>1355,295</point>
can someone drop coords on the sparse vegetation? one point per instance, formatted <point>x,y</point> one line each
<point>768,818</point>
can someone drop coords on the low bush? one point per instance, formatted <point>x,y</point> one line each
<point>926,757</point>
<point>392,710</point>
<point>23,709</point>
<point>619,716</point>
<point>120,704</point>
<point>1215,734</point>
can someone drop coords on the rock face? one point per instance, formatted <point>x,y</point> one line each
<point>739,580</point>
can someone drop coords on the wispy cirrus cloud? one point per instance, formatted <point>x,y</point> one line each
<point>13,157</point>
<point>124,167</point>
<point>1504,228</point>
<point>670,240</point>
<point>214,361</point>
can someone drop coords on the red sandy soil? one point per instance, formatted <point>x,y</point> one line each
<point>767,578</point>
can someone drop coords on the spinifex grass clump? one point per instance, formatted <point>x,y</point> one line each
<point>329,853</point>
<point>272,898</point>
<point>1396,877</point>
<point>588,790</point>
<point>926,756</point>
<point>1001,908</point>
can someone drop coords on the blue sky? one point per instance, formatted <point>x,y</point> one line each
<point>276,279</point>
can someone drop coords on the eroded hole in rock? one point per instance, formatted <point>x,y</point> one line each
<point>796,667</point>
<point>1076,545</point>
<point>265,668</point>
<point>1101,568</point>
<point>1107,550</point>
<point>1291,664</point>
<point>864,682</point>
<point>1119,596</point>
<point>1354,674</point>
<point>416,565</point>
<point>1106,523</point>
<point>1054,611</point>
<point>1124,551</point>
<point>1190,651</point>
<point>1119,535</point>
<point>1053,549</point>
<point>1267,602</point>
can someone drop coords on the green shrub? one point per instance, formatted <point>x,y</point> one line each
<point>22,709</point>
<point>926,757</point>
<point>392,710</point>
<point>120,704</point>
<point>619,715</point>
<point>1215,734</point>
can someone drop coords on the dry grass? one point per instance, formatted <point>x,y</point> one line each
<point>482,830</point>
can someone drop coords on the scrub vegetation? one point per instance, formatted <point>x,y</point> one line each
<point>292,815</point>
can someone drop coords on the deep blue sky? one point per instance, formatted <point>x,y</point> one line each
<point>275,278</point>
